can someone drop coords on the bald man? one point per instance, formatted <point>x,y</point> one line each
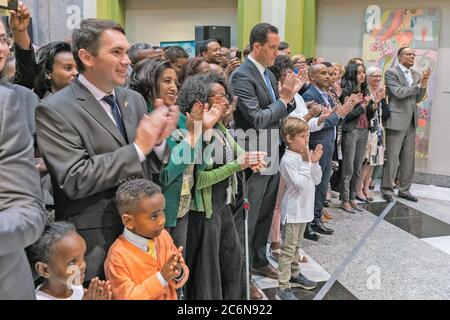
<point>320,81</point>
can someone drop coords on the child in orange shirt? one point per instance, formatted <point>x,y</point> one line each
<point>143,263</point>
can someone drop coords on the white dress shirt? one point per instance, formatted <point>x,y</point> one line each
<point>142,243</point>
<point>99,95</point>
<point>301,178</point>
<point>407,73</point>
<point>301,110</point>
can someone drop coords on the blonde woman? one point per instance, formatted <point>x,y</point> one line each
<point>377,113</point>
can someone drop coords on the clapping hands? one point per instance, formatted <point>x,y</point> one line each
<point>155,127</point>
<point>316,155</point>
<point>425,77</point>
<point>172,269</point>
<point>291,87</point>
<point>98,290</point>
<point>253,160</point>
<point>310,155</point>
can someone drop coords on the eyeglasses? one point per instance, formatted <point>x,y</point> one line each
<point>4,40</point>
<point>375,76</point>
<point>218,95</point>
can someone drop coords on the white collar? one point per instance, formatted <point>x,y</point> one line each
<point>96,92</point>
<point>404,69</point>
<point>291,153</point>
<point>258,65</point>
<point>136,240</point>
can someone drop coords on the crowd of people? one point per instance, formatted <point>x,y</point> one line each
<point>123,168</point>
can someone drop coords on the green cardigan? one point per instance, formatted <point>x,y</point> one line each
<point>171,177</point>
<point>206,176</point>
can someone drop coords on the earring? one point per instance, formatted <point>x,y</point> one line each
<point>48,76</point>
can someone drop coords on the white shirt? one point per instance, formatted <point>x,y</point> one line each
<point>142,243</point>
<point>99,95</point>
<point>407,73</point>
<point>301,178</point>
<point>77,294</point>
<point>301,110</point>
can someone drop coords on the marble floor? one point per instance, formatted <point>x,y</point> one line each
<point>402,255</point>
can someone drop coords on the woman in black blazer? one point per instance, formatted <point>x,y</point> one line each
<point>355,134</point>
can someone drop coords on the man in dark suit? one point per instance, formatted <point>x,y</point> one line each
<point>405,88</point>
<point>94,134</point>
<point>261,106</point>
<point>317,91</point>
<point>22,214</point>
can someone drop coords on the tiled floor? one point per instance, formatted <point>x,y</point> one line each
<point>407,256</point>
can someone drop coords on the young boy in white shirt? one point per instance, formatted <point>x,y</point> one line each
<point>301,172</point>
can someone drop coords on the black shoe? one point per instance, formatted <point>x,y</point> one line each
<point>366,200</point>
<point>319,227</point>
<point>407,197</point>
<point>388,198</point>
<point>310,234</point>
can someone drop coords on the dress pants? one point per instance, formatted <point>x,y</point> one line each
<point>321,189</point>
<point>262,194</point>
<point>400,149</point>
<point>289,265</point>
<point>354,145</point>
<point>213,253</point>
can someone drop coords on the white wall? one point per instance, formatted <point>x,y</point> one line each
<point>274,12</point>
<point>339,38</point>
<point>169,20</point>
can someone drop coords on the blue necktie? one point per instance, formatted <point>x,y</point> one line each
<point>111,100</point>
<point>269,86</point>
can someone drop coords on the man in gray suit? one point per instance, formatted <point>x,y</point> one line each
<point>405,88</point>
<point>22,215</point>
<point>261,106</point>
<point>94,135</point>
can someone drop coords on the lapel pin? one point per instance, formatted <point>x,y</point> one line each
<point>125,104</point>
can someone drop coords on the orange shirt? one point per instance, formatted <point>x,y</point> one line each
<point>132,272</point>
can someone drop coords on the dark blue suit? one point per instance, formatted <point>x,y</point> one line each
<point>325,137</point>
<point>256,110</point>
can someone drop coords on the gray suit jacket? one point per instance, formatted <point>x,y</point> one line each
<point>22,215</point>
<point>88,158</point>
<point>403,99</point>
<point>254,108</point>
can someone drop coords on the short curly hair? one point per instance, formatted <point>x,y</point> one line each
<point>42,249</point>
<point>282,63</point>
<point>131,192</point>
<point>145,76</point>
<point>197,88</point>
